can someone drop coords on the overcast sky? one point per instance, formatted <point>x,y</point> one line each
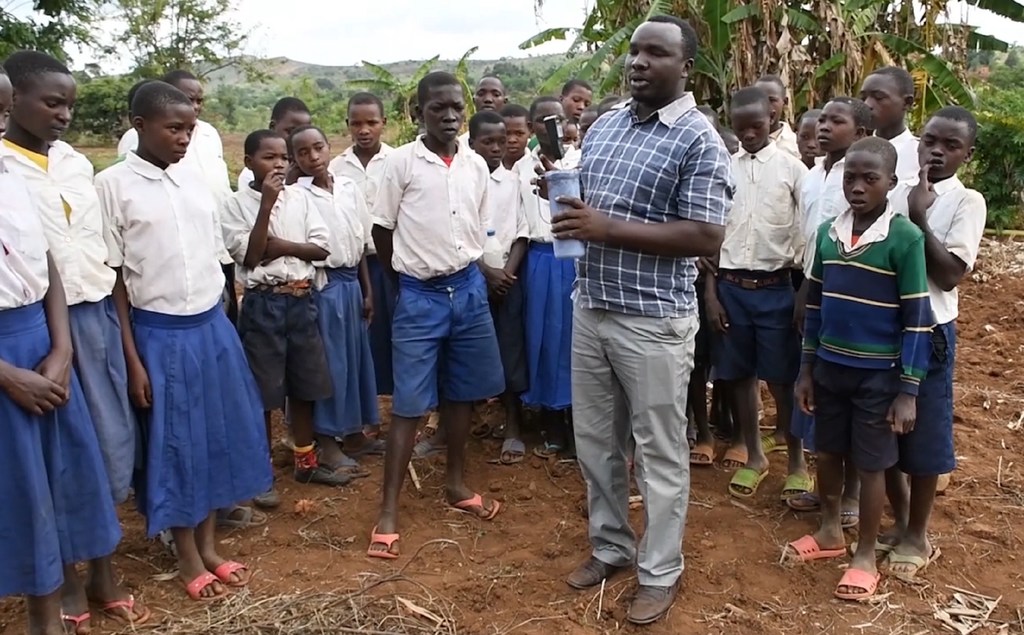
<point>345,32</point>
<point>393,30</point>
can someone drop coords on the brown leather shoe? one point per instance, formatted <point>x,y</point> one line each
<point>651,603</point>
<point>591,573</point>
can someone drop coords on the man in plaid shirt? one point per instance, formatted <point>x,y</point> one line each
<point>657,186</point>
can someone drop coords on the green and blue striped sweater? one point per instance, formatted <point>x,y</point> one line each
<point>869,308</point>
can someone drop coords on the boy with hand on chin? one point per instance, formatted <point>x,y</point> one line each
<point>429,236</point>
<point>866,349</point>
<point>952,218</point>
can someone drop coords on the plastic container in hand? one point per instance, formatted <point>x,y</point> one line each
<point>564,183</point>
<point>494,255</point>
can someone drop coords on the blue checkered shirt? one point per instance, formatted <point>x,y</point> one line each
<point>671,166</point>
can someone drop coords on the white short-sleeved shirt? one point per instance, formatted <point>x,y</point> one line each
<point>367,178</point>
<point>508,219</point>
<point>205,153</point>
<point>908,165</point>
<point>24,274</point>
<point>344,212</point>
<point>163,229</point>
<point>438,213</point>
<point>785,139</point>
<point>957,219</point>
<point>245,177</point>
<point>293,218</point>
<point>764,229</point>
<point>821,199</point>
<point>537,210</point>
<point>76,240</point>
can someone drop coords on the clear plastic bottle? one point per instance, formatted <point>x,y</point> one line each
<point>564,183</point>
<point>494,253</point>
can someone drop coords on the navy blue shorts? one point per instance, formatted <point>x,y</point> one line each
<point>761,340</point>
<point>444,341</point>
<point>510,327</point>
<point>928,449</point>
<point>282,342</point>
<point>850,410</point>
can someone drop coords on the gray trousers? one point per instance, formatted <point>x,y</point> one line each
<point>629,378</point>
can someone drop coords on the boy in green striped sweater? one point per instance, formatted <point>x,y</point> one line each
<point>867,341</point>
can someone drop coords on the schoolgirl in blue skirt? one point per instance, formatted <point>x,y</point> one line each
<point>202,416</point>
<point>548,286</point>
<point>57,507</point>
<point>344,300</point>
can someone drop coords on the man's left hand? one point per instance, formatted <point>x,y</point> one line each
<point>581,222</point>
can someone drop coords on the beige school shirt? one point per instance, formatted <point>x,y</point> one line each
<point>344,211</point>
<point>24,274</point>
<point>785,139</point>
<point>162,228</point>
<point>507,217</point>
<point>75,237</point>
<point>537,210</point>
<point>294,218</point>
<point>205,154</point>
<point>821,199</point>
<point>438,213</point>
<point>908,165</point>
<point>367,178</point>
<point>957,219</point>
<point>764,229</point>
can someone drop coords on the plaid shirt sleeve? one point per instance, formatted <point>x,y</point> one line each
<point>706,185</point>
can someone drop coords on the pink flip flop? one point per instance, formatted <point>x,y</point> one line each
<point>382,539</point>
<point>807,549</point>
<point>109,610</point>
<point>227,569</point>
<point>196,586</point>
<point>478,501</point>
<point>76,620</point>
<point>859,580</point>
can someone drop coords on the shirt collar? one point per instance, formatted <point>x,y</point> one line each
<point>499,174</point>
<point>425,153</point>
<point>763,155</point>
<point>669,114</point>
<point>149,171</point>
<point>947,185</point>
<point>842,229</point>
<point>903,137</point>
<point>783,131</point>
<point>350,154</point>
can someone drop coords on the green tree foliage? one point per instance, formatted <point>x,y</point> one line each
<point>101,109</point>
<point>162,35</point>
<point>997,169</point>
<point>53,25</point>
<point>820,48</point>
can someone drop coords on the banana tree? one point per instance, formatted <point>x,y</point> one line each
<point>820,48</point>
<point>400,92</point>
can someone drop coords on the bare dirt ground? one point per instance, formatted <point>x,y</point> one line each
<point>457,575</point>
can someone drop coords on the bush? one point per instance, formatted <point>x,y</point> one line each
<point>998,164</point>
<point>101,111</point>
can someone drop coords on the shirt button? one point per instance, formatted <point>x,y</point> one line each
<point>67,239</point>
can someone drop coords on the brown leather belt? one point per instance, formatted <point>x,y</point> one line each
<point>773,279</point>
<point>298,289</point>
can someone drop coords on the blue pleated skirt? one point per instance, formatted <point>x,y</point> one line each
<point>549,283</point>
<point>205,440</point>
<point>99,362</point>
<point>56,504</point>
<point>384,296</point>
<point>346,337</point>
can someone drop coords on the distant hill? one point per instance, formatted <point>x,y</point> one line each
<point>284,69</point>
